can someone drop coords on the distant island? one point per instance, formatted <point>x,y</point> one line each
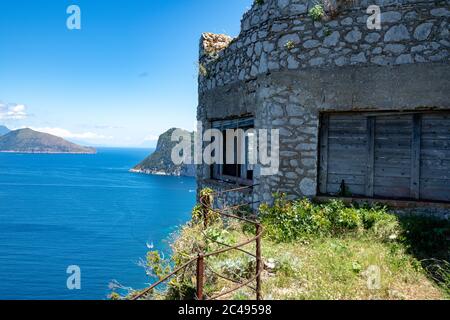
<point>30,141</point>
<point>160,162</point>
<point>4,130</point>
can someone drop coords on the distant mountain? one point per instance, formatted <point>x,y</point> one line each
<point>160,162</point>
<point>4,130</point>
<point>30,141</point>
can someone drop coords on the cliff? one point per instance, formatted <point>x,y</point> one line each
<point>160,162</point>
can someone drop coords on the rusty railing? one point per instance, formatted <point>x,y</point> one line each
<point>201,258</point>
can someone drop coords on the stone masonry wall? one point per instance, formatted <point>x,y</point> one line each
<point>412,32</point>
<point>285,70</point>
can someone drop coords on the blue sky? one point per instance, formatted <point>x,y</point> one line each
<point>129,74</point>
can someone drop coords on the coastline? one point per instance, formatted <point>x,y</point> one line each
<point>153,172</point>
<point>45,152</point>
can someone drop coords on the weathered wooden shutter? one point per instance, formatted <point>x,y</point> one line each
<point>435,157</point>
<point>402,156</point>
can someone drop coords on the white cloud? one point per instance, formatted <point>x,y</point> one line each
<point>151,137</point>
<point>12,111</point>
<point>66,134</point>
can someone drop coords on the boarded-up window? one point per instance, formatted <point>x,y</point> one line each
<point>399,156</point>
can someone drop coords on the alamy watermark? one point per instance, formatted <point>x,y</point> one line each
<point>73,22</point>
<point>373,274</point>
<point>74,280</point>
<point>252,147</point>
<point>374,20</point>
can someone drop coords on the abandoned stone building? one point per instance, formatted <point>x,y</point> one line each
<point>362,112</point>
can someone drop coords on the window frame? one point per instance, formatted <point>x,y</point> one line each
<point>245,123</point>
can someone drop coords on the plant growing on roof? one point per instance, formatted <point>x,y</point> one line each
<point>202,70</point>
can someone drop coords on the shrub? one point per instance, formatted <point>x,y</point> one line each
<point>237,267</point>
<point>317,12</point>
<point>424,235</point>
<point>287,221</point>
<point>439,271</point>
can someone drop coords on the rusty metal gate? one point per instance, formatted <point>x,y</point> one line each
<point>200,260</point>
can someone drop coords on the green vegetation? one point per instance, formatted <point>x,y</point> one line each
<point>316,251</point>
<point>290,45</point>
<point>317,12</point>
<point>287,221</point>
<point>202,70</point>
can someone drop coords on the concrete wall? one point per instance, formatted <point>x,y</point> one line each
<point>335,65</point>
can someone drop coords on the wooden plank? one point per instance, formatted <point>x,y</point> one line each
<point>436,144</point>
<point>346,157</point>
<point>393,192</point>
<point>353,189</point>
<point>385,171</point>
<point>435,157</point>
<point>403,182</point>
<point>393,156</point>
<point>436,135</point>
<point>349,179</point>
<point>436,163</point>
<point>435,189</point>
<point>370,156</point>
<point>381,161</point>
<point>432,154</point>
<point>393,153</point>
<point>345,139</point>
<point>347,148</point>
<point>357,168</point>
<point>435,173</point>
<point>415,156</point>
<point>323,173</point>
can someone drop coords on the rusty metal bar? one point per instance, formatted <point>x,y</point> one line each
<point>200,275</point>
<point>243,244</point>
<point>227,278</point>
<point>220,212</point>
<point>207,207</point>
<point>230,246</point>
<point>258,262</point>
<point>205,202</point>
<point>246,283</point>
<point>235,189</point>
<point>146,291</point>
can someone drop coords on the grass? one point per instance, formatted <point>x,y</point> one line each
<point>335,268</point>
<point>319,252</point>
<point>340,268</point>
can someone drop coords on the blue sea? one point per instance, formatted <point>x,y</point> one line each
<point>84,210</point>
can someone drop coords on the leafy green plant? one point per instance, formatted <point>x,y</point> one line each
<point>259,2</point>
<point>202,70</point>
<point>201,212</point>
<point>237,268</point>
<point>290,45</point>
<point>439,271</point>
<point>206,192</point>
<point>317,12</point>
